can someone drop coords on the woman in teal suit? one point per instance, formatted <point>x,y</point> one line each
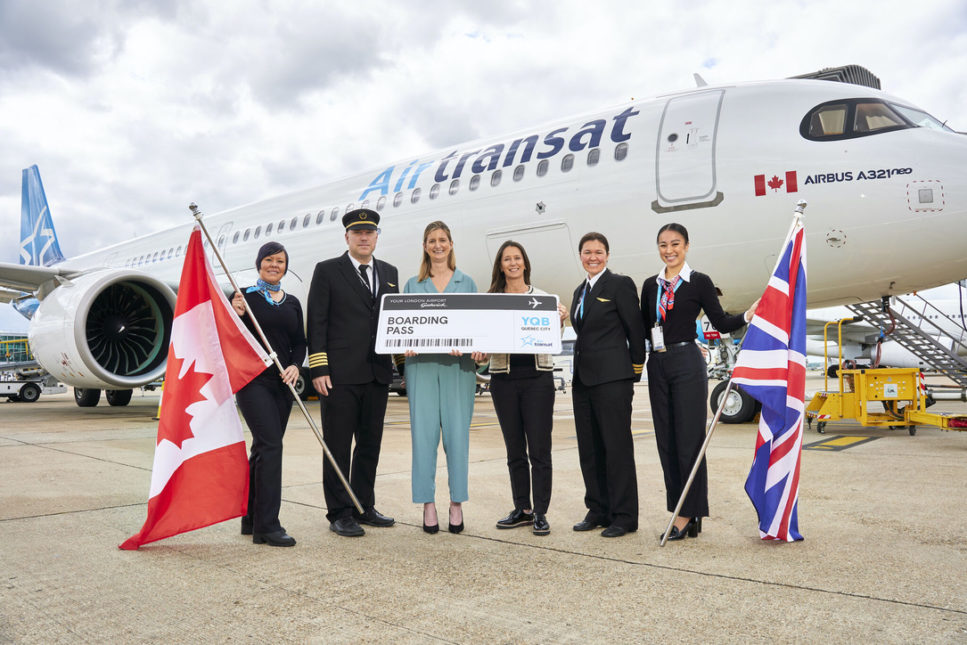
<point>441,388</point>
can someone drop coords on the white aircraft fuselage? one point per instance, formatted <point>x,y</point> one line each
<point>887,211</point>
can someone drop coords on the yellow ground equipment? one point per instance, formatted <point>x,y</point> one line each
<point>900,393</point>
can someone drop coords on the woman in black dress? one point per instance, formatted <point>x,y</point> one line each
<point>267,401</point>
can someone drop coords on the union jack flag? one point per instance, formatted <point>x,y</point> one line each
<point>771,368</point>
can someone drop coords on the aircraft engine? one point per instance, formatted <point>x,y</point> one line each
<point>108,329</point>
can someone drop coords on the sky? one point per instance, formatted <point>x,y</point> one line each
<point>134,109</point>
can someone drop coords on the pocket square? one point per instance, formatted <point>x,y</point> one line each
<point>604,300</point>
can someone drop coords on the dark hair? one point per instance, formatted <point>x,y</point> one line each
<point>271,248</point>
<point>588,237</point>
<point>498,281</point>
<point>677,228</point>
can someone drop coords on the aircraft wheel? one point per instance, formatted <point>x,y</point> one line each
<point>821,427</point>
<point>118,397</point>
<point>303,385</point>
<point>29,393</point>
<point>739,408</point>
<point>86,397</point>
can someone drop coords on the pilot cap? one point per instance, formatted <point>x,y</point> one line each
<point>361,219</point>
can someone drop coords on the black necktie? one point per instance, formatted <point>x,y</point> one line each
<point>587,290</point>
<point>365,274</point>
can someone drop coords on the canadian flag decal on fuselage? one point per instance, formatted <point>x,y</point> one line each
<point>761,183</point>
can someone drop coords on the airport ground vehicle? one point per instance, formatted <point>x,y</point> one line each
<point>900,391</point>
<point>28,390</point>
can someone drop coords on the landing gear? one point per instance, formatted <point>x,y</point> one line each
<point>738,408</point>
<point>118,397</point>
<point>86,397</point>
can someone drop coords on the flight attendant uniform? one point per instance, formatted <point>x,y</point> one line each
<point>678,379</point>
<point>609,355</point>
<point>440,389</point>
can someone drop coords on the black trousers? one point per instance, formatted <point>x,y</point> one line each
<point>352,412</point>
<point>265,405</point>
<point>602,419</point>
<point>678,389</point>
<point>525,410</point>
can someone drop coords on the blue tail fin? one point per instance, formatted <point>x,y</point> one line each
<point>38,240</point>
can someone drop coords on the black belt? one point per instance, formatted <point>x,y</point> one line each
<point>684,343</point>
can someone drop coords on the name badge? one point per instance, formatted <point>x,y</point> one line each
<point>657,339</point>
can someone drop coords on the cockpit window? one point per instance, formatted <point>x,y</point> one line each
<point>852,118</point>
<point>920,118</point>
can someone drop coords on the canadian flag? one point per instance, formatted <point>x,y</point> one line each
<point>200,471</point>
<point>775,183</point>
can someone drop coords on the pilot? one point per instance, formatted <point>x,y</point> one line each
<point>677,373</point>
<point>342,314</point>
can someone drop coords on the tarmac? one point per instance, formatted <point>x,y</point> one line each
<point>884,557</point>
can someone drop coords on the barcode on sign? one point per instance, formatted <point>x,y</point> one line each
<point>429,342</point>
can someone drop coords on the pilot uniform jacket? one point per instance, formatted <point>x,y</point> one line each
<point>609,355</point>
<point>341,321</point>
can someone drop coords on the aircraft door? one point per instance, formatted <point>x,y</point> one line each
<point>545,244</point>
<point>685,152</point>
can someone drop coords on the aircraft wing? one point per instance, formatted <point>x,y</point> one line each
<point>29,278</point>
<point>9,295</point>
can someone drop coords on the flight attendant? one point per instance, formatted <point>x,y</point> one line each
<point>677,379</point>
<point>609,355</point>
<point>266,401</point>
<point>440,390</point>
<point>522,389</point>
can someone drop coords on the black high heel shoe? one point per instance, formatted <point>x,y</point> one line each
<point>695,527</point>
<point>689,530</point>
<point>430,528</point>
<point>455,528</point>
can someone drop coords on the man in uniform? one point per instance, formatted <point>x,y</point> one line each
<point>342,314</point>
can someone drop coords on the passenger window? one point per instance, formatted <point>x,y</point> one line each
<point>397,199</point>
<point>334,215</point>
<point>495,178</point>
<point>542,168</point>
<point>306,220</point>
<point>454,186</point>
<point>292,223</point>
<point>380,203</point>
<point>434,191</point>
<point>620,152</point>
<point>567,162</point>
<point>415,197</point>
<point>349,207</point>
<point>474,182</point>
<point>154,258</point>
<point>178,250</point>
<point>281,226</point>
<point>268,229</point>
<point>245,235</point>
<point>258,231</point>
<point>519,172</point>
<point>593,156</point>
<point>365,204</point>
<point>321,215</point>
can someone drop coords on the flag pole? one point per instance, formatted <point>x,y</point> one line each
<point>332,461</point>
<point>797,215</point>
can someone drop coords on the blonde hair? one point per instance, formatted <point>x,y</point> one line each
<point>425,262</point>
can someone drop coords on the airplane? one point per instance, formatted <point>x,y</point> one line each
<point>883,179</point>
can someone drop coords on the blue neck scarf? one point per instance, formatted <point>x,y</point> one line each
<point>264,288</point>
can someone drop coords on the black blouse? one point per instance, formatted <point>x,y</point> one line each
<point>694,295</point>
<point>283,327</point>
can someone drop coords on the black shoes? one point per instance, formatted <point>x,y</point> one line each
<point>454,528</point>
<point>692,529</point>
<point>346,527</point>
<point>246,526</point>
<point>278,538</point>
<point>615,531</point>
<point>372,517</point>
<point>541,527</point>
<point>516,518</point>
<point>430,528</point>
<point>588,524</point>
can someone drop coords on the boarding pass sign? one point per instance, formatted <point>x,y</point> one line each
<point>494,323</point>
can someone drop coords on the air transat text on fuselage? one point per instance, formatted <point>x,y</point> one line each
<point>588,136</point>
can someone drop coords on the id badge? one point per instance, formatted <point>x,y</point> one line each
<point>657,339</point>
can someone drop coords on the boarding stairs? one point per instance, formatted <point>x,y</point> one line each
<point>924,330</point>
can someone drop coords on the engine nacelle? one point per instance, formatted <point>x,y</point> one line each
<point>108,329</point>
